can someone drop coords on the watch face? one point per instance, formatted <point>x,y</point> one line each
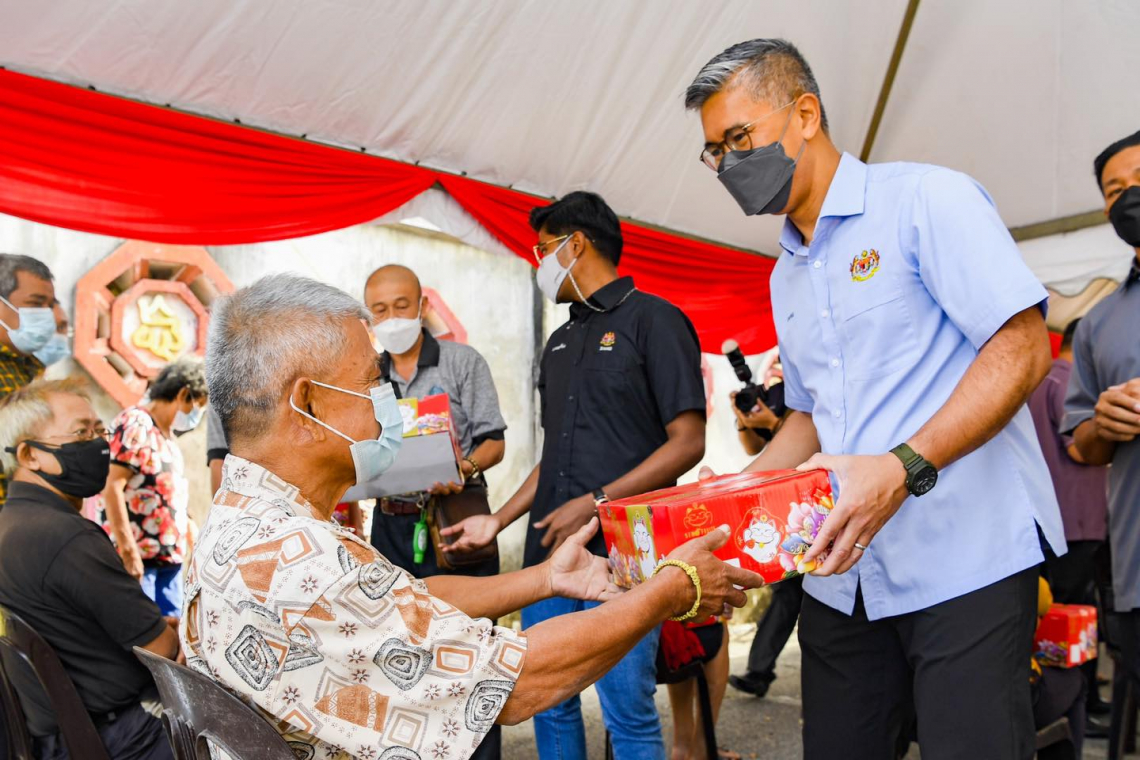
<point>923,480</point>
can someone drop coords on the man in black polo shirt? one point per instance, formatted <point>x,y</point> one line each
<point>61,575</point>
<point>623,409</point>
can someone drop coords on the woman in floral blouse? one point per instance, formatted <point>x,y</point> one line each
<point>147,493</point>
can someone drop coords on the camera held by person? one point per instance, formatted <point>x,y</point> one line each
<point>759,410</point>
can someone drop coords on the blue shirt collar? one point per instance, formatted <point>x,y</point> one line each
<point>845,197</point>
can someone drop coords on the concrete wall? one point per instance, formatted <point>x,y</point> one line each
<point>492,293</point>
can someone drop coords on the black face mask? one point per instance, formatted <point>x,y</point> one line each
<point>1125,216</point>
<point>84,466</point>
<point>760,179</point>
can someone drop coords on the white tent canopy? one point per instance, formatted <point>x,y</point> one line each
<point>550,96</point>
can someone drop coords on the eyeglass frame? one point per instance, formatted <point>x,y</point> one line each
<point>746,129</point>
<point>539,249</point>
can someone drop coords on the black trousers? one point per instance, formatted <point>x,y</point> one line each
<point>961,668</point>
<point>134,734</point>
<point>775,628</point>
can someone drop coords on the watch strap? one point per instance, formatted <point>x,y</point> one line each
<point>600,496</point>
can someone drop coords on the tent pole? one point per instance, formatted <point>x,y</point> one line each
<point>889,79</point>
<point>1063,224</point>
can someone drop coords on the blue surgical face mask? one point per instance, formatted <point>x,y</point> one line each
<point>184,423</point>
<point>37,325</point>
<point>371,457</point>
<point>55,350</point>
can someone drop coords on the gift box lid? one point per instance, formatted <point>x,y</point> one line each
<point>721,485</point>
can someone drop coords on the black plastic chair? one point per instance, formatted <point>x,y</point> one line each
<point>1055,741</point>
<point>197,710</point>
<point>21,648</point>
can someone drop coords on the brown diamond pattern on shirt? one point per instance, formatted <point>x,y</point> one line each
<point>358,705</point>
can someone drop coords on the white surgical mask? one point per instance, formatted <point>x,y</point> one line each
<point>37,325</point>
<point>551,273</point>
<point>398,334</point>
<point>371,457</point>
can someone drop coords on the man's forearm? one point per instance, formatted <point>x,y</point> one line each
<point>680,453</point>
<point>999,381</point>
<point>793,444</point>
<point>495,596</point>
<point>519,504</point>
<point>488,454</point>
<point>567,654</point>
<point>1092,447</point>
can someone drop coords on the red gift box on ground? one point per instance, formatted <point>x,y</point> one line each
<point>774,517</point>
<point>1066,637</point>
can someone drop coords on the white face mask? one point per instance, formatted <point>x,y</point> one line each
<point>551,273</point>
<point>37,325</point>
<point>184,423</point>
<point>398,334</point>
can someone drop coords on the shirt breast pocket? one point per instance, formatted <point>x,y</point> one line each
<point>878,335</point>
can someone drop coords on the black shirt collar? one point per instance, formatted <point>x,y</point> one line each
<point>607,297</point>
<point>22,491</point>
<point>429,354</point>
<point>1133,273</point>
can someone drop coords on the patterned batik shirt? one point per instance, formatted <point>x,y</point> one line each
<point>347,654</point>
<point>16,371</point>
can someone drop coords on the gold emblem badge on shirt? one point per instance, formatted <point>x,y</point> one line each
<point>864,266</point>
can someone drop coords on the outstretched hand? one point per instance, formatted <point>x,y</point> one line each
<point>577,573</point>
<point>471,534</point>
<point>721,584</point>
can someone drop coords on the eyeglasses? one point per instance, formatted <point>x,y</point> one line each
<point>735,138</point>
<point>540,249</point>
<point>81,436</point>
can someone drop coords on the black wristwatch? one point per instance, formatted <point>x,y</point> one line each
<point>921,475</point>
<point>600,497</point>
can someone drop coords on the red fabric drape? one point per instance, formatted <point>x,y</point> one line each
<point>723,291</point>
<point>79,159</point>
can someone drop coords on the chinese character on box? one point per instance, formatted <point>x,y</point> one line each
<point>1066,636</point>
<point>430,453</point>
<point>774,517</point>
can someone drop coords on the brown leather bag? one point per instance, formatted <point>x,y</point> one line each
<point>445,511</point>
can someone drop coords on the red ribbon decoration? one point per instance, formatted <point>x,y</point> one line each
<point>88,161</point>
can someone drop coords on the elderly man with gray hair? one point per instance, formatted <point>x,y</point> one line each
<point>348,654</point>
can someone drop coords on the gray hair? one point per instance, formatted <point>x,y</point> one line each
<point>24,412</point>
<point>12,264</point>
<point>187,372</point>
<point>264,337</point>
<point>772,70</point>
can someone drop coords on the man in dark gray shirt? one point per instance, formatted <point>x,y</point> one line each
<point>1102,407</point>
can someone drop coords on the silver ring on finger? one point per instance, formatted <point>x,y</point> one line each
<point>860,547</point>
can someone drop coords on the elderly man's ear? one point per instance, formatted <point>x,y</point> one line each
<point>304,398</point>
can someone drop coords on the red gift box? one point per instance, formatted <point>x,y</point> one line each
<point>1066,637</point>
<point>774,517</point>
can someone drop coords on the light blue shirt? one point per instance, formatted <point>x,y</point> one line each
<point>911,271</point>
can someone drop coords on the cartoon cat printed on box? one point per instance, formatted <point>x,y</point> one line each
<point>646,550</point>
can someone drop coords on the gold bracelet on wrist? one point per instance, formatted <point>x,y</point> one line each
<point>475,468</point>
<point>693,576</point>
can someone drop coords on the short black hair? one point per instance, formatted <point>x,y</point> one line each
<point>585,212</point>
<point>1067,336</point>
<point>1107,154</point>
